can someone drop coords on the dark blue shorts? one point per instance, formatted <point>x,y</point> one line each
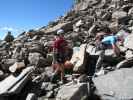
<point>60,57</point>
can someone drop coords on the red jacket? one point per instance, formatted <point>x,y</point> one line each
<point>59,44</point>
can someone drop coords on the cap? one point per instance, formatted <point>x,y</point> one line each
<point>60,31</point>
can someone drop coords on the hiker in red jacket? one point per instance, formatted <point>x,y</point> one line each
<point>59,50</point>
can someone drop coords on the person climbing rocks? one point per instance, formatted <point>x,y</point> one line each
<point>106,43</point>
<point>59,46</point>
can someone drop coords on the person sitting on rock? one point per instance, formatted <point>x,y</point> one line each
<point>105,43</point>
<point>59,46</point>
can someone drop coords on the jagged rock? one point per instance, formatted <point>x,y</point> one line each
<point>119,14</point>
<point>130,12</point>
<point>49,71</point>
<point>79,23</point>
<point>16,66</point>
<point>127,63</point>
<point>6,63</point>
<point>13,84</point>
<point>84,4</point>
<point>107,16</point>
<point>3,52</point>
<point>2,43</point>
<point>92,30</point>
<point>37,59</point>
<point>33,33</point>
<point>115,85</point>
<point>129,54</point>
<point>101,4</point>
<point>65,26</point>
<point>72,91</point>
<point>47,86</point>
<point>79,59</point>
<point>31,96</point>
<point>128,43</point>
<point>127,7</point>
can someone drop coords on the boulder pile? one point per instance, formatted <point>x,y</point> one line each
<point>26,62</point>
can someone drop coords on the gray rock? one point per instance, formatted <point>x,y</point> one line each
<point>79,59</point>
<point>84,4</point>
<point>127,63</point>
<point>92,30</point>
<point>130,12</point>
<point>31,96</point>
<point>129,54</point>
<point>7,63</point>
<point>92,51</point>
<point>128,43</point>
<point>37,59</point>
<point>119,14</point>
<point>47,86</point>
<point>12,84</point>
<point>72,91</point>
<point>116,85</point>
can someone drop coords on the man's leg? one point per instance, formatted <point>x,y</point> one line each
<point>100,60</point>
<point>62,71</point>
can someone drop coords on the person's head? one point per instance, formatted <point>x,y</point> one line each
<point>60,32</point>
<point>120,38</point>
<point>99,36</point>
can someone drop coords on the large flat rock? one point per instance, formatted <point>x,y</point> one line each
<point>117,84</point>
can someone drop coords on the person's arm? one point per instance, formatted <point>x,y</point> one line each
<point>116,49</point>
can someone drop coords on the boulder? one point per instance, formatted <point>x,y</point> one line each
<point>119,14</point>
<point>128,43</point>
<point>37,59</point>
<point>101,4</point>
<point>108,57</point>
<point>92,51</point>
<point>12,84</point>
<point>79,59</point>
<point>127,63</point>
<point>130,12</point>
<point>16,66</point>
<point>72,91</point>
<point>129,54</point>
<point>7,63</point>
<point>116,85</point>
<point>84,4</point>
<point>79,23</point>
